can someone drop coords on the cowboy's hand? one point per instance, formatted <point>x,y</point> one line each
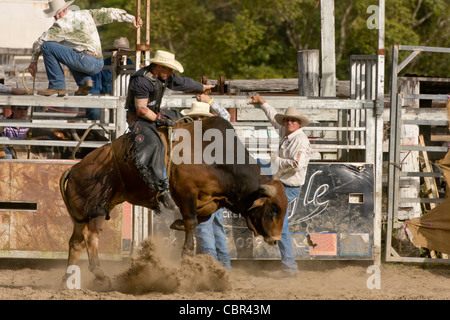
<point>203,98</point>
<point>257,100</point>
<point>137,23</point>
<point>169,123</point>
<point>207,88</point>
<point>18,91</point>
<point>273,157</point>
<point>32,68</point>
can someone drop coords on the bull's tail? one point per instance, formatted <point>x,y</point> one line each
<point>62,188</point>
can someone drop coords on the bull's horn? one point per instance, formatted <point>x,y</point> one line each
<point>268,190</point>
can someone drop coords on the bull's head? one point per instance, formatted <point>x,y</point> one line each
<point>265,216</point>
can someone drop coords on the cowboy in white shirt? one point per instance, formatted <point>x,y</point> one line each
<point>292,160</point>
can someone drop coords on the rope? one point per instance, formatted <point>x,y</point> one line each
<point>84,137</point>
<point>29,91</point>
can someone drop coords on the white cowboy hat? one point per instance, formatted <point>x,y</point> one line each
<point>167,59</point>
<point>121,43</point>
<point>292,112</point>
<point>198,109</point>
<point>55,7</point>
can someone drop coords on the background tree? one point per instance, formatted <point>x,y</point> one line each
<point>253,39</point>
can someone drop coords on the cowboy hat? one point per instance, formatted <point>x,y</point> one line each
<point>55,7</point>
<point>121,44</point>
<point>167,59</point>
<point>292,112</point>
<point>198,109</point>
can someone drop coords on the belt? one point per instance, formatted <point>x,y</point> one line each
<point>93,54</point>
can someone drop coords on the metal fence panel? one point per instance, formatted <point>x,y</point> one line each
<point>401,117</point>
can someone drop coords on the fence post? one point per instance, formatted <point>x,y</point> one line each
<point>328,49</point>
<point>308,73</point>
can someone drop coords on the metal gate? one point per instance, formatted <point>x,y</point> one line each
<point>399,150</point>
<point>33,218</point>
<point>341,220</point>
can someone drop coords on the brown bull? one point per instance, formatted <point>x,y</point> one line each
<point>107,176</point>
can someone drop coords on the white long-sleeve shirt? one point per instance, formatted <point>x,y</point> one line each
<point>294,152</point>
<point>221,111</point>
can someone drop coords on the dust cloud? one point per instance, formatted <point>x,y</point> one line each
<point>150,272</point>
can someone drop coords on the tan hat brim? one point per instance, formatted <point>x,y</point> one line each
<point>186,112</point>
<point>112,48</point>
<point>50,14</point>
<point>304,121</point>
<point>174,65</point>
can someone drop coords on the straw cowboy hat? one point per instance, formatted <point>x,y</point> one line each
<point>121,44</point>
<point>198,109</point>
<point>55,7</point>
<point>167,59</point>
<point>291,112</point>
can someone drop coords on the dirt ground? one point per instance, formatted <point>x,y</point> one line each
<point>150,276</point>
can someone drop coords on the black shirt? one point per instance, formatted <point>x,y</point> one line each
<point>142,88</point>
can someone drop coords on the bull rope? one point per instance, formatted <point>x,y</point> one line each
<point>84,137</point>
<point>29,91</point>
<point>62,187</point>
<point>112,150</point>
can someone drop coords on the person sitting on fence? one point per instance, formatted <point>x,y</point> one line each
<point>73,40</point>
<point>18,113</point>
<point>102,80</point>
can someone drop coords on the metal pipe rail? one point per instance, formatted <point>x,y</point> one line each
<point>278,102</point>
<point>56,124</point>
<point>114,105</point>
<point>51,143</point>
<point>180,101</point>
<point>92,101</point>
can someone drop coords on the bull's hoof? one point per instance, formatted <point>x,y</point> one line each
<point>178,225</point>
<point>102,284</point>
<point>63,284</point>
<point>187,254</point>
<point>101,281</point>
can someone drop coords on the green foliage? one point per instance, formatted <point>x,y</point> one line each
<point>260,38</point>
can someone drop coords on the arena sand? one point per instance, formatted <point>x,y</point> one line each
<point>155,274</point>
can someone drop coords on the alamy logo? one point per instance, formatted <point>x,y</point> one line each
<point>74,280</point>
<point>372,21</point>
<point>220,147</point>
<point>374,280</point>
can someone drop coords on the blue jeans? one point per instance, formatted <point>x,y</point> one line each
<point>93,113</point>
<point>285,244</point>
<point>8,154</point>
<point>212,239</point>
<point>81,65</point>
